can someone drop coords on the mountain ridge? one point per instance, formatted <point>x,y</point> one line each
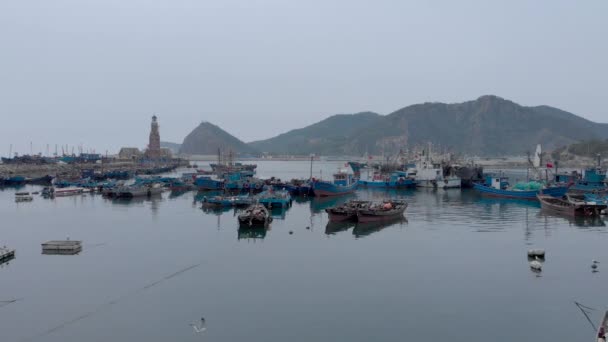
<point>207,138</point>
<point>488,125</point>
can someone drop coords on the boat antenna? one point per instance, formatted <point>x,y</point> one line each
<point>584,309</point>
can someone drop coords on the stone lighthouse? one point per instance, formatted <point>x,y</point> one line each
<point>154,143</point>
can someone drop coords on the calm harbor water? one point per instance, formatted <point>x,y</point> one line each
<point>455,269</point>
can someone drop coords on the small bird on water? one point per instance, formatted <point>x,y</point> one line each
<point>594,264</point>
<point>199,328</point>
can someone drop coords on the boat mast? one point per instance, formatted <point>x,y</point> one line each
<point>312,156</point>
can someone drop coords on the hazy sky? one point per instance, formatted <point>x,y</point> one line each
<point>93,72</point>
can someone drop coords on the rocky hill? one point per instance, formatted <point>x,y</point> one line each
<point>207,138</point>
<point>487,126</point>
<point>330,136</point>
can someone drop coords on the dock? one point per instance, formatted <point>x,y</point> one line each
<point>67,247</point>
<point>6,255</point>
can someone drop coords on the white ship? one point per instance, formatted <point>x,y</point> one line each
<point>430,174</point>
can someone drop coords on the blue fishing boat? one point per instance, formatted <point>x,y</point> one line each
<point>206,183</point>
<point>227,201</point>
<point>397,179</point>
<point>239,182</point>
<point>499,187</point>
<point>14,180</point>
<point>593,181</point>
<point>274,198</point>
<point>344,183</point>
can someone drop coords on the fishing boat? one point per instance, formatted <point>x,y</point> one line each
<point>567,206</point>
<point>64,192</point>
<point>592,181</point>
<point>430,175</point>
<point>23,197</point>
<point>344,183</point>
<point>498,186</point>
<point>386,210</point>
<point>14,180</point>
<point>255,215</point>
<point>44,180</point>
<point>274,198</point>
<point>346,211</point>
<point>397,179</point>
<point>206,183</point>
<point>227,201</point>
<point>602,328</point>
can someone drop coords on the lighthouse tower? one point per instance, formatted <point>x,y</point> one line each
<point>154,143</point>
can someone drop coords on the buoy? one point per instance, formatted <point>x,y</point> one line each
<point>307,227</point>
<point>290,232</point>
<point>536,265</point>
<point>594,264</point>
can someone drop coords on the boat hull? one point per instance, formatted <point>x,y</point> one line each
<point>524,194</point>
<point>564,207</point>
<point>326,189</point>
<point>364,216</point>
<point>388,185</point>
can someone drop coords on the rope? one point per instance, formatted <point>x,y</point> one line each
<point>108,304</point>
<point>583,308</point>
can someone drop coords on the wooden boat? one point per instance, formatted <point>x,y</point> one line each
<point>23,197</point>
<point>569,207</point>
<point>255,215</point>
<point>382,211</point>
<point>602,328</point>
<point>63,192</point>
<point>346,211</point>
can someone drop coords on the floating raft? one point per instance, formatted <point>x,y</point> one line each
<point>68,247</point>
<point>6,254</point>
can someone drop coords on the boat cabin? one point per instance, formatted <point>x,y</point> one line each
<point>497,182</point>
<point>343,178</point>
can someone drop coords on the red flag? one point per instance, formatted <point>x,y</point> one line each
<point>549,165</point>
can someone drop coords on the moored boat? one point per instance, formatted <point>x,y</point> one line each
<point>255,215</point>
<point>346,211</point>
<point>498,186</point>
<point>344,183</point>
<point>568,206</point>
<point>206,183</point>
<point>386,210</point>
<point>23,197</point>
<point>275,198</point>
<point>397,179</point>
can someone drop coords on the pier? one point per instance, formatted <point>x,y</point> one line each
<point>67,247</point>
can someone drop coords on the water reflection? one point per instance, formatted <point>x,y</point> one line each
<point>336,227</point>
<point>368,228</point>
<point>319,204</point>
<point>577,221</point>
<point>251,233</point>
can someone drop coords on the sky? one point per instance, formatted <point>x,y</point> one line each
<point>92,73</point>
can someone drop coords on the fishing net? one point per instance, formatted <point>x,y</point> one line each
<point>528,186</point>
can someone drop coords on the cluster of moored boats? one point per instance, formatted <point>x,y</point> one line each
<point>367,211</point>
